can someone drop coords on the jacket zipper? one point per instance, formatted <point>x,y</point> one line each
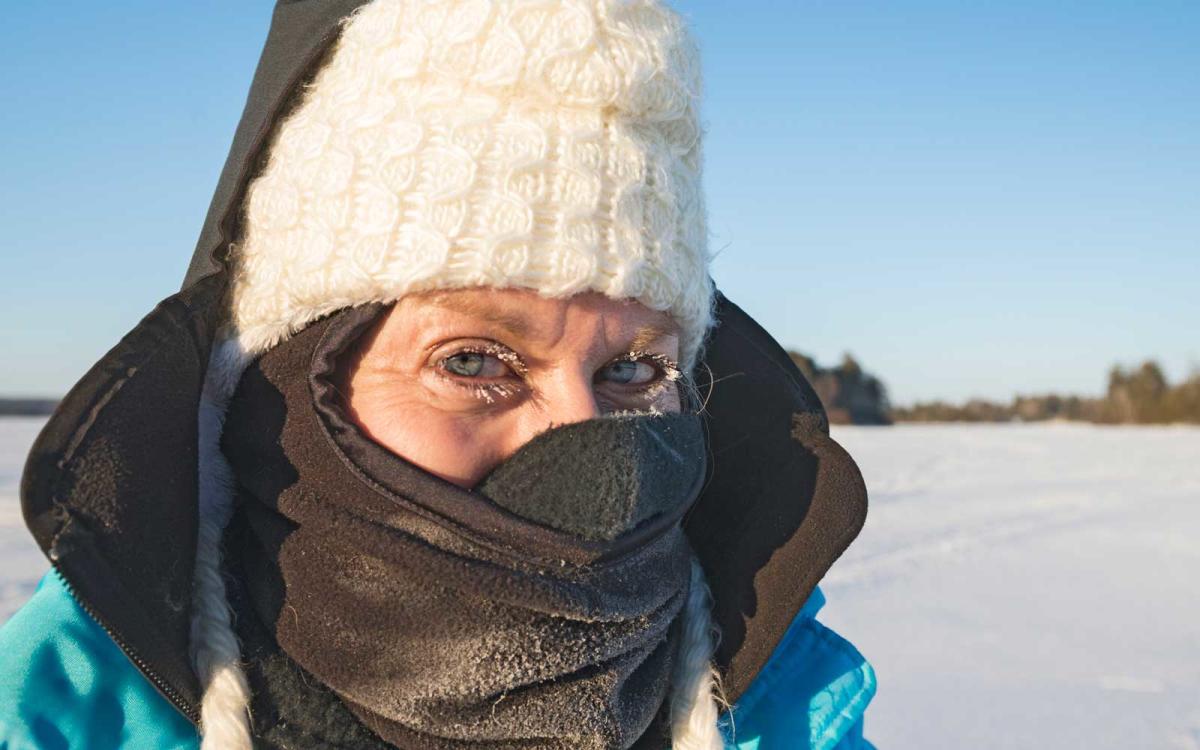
<point>163,687</point>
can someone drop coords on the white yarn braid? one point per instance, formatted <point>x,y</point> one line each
<point>224,708</point>
<point>695,682</point>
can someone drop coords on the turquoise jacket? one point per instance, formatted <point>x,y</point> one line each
<point>65,684</point>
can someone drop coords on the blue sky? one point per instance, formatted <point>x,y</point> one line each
<point>975,199</point>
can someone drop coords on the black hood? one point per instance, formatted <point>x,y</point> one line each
<point>110,486</point>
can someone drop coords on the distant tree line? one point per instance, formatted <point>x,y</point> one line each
<point>849,395</point>
<point>1140,395</point>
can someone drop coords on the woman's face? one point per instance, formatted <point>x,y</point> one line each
<point>456,381</point>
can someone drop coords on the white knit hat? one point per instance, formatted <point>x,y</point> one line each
<point>552,145</point>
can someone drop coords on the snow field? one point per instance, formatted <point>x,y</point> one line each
<point>22,564</point>
<point>1026,586</point>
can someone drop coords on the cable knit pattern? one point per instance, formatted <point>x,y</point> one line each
<point>547,144</point>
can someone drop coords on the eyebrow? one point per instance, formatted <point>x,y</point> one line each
<point>514,323</point>
<point>648,334</point>
<point>519,325</point>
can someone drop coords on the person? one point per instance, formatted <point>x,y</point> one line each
<point>448,439</point>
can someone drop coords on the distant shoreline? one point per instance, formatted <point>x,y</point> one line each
<point>27,407</point>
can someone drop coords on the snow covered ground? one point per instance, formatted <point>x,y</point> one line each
<point>1026,586</point>
<point>1023,586</point>
<point>21,562</point>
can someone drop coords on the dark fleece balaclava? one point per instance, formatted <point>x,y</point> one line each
<point>537,610</point>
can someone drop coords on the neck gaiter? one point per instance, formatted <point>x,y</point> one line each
<point>534,611</point>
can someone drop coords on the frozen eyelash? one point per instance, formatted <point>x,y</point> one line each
<point>656,390</point>
<point>502,353</point>
<point>667,366</point>
<point>489,393</point>
<point>651,410</point>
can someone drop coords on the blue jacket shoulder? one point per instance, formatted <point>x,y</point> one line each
<point>812,693</point>
<point>65,684</point>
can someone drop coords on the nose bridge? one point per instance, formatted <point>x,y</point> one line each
<point>565,398</point>
<point>569,397</point>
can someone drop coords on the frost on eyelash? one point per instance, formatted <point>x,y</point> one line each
<point>505,355</point>
<point>669,367</point>
<point>649,411</point>
<point>489,392</point>
<point>670,374</point>
<point>656,391</point>
<point>652,394</point>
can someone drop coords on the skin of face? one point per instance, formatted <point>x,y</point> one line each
<point>456,381</point>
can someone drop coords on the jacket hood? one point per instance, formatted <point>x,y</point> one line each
<point>301,33</point>
<point>110,486</point>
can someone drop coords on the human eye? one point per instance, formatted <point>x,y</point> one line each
<point>638,369</point>
<point>485,370</point>
<point>628,372</point>
<point>468,364</point>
